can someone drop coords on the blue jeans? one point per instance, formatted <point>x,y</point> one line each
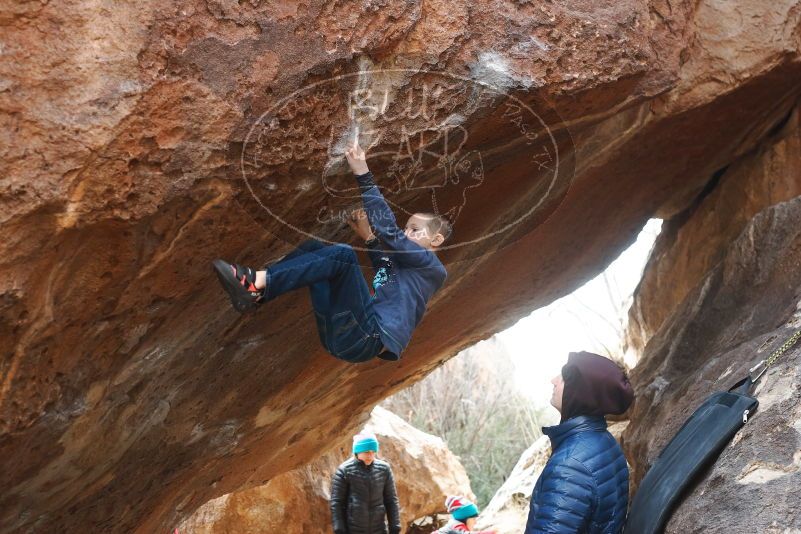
<point>340,297</point>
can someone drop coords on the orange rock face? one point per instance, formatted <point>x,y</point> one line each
<point>297,502</point>
<point>143,139</point>
<point>727,281</point>
<point>694,241</point>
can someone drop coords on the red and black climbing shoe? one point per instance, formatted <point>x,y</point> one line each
<point>240,283</point>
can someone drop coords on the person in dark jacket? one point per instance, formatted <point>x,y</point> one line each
<point>584,486</point>
<point>363,495</point>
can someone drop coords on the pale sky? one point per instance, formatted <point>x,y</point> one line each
<point>539,344</point>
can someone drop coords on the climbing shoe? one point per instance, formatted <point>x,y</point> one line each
<point>240,284</point>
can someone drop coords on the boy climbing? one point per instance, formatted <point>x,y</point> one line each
<point>354,325</point>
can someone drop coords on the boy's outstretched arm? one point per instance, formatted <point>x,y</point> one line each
<point>379,214</point>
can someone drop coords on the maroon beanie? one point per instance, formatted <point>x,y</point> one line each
<point>594,385</point>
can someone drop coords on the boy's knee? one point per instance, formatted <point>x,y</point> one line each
<point>346,251</point>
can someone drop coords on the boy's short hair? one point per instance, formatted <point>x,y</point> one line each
<point>438,224</point>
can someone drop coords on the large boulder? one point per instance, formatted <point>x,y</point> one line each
<point>693,242</point>
<point>732,304</point>
<point>296,502</point>
<point>142,139</point>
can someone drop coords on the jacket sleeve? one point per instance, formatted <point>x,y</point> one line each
<point>391,504</point>
<point>375,252</point>
<point>339,500</point>
<point>564,501</point>
<point>385,227</point>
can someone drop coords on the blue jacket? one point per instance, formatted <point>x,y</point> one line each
<point>411,274</point>
<point>584,487</point>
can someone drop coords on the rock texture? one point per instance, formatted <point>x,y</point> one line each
<point>131,393</point>
<point>694,241</point>
<point>745,303</point>
<point>297,502</point>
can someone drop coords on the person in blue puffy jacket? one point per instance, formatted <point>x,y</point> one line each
<point>584,487</point>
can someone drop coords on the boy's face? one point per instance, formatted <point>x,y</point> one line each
<point>470,523</point>
<point>367,457</point>
<point>417,231</point>
<point>558,387</point>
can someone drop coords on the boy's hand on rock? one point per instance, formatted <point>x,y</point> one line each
<point>356,159</point>
<point>359,223</point>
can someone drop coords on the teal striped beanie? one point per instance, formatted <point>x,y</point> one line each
<point>460,508</point>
